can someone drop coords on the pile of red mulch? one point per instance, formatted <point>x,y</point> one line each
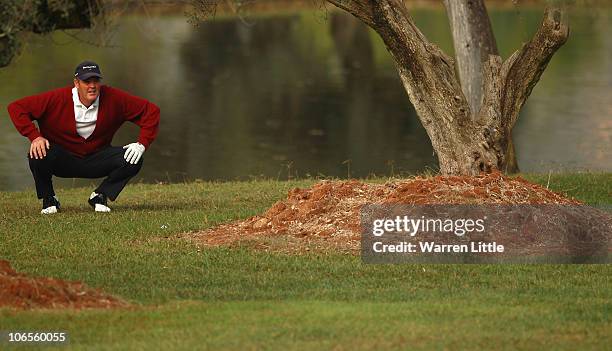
<point>20,291</point>
<point>329,212</point>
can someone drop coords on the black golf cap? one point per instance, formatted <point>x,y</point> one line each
<point>86,70</point>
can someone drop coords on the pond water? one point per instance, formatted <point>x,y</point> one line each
<point>309,93</point>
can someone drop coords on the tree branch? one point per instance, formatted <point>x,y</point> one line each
<point>361,9</point>
<point>490,111</point>
<point>522,71</point>
<point>427,72</point>
<point>474,41</point>
<point>41,16</point>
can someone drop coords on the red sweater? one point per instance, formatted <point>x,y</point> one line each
<point>54,112</point>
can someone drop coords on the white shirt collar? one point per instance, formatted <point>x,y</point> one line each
<point>77,102</point>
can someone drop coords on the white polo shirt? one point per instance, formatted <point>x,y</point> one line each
<point>85,117</point>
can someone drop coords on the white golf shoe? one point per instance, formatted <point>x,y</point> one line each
<point>98,202</point>
<point>50,205</point>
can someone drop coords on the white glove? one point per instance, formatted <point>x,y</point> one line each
<point>133,152</point>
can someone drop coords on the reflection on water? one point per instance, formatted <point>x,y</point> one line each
<point>301,94</point>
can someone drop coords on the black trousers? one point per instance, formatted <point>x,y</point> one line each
<point>108,162</point>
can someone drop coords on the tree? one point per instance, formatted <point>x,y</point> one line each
<point>40,16</point>
<point>469,106</point>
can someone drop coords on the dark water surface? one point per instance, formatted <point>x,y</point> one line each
<point>297,94</point>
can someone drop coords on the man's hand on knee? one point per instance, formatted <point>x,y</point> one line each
<point>39,147</point>
<point>133,152</point>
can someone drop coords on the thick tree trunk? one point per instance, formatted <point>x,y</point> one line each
<point>474,41</point>
<point>466,141</point>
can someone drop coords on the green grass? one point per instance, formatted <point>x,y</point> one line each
<point>187,298</point>
<point>592,188</point>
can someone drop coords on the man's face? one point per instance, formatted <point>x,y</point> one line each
<point>88,90</point>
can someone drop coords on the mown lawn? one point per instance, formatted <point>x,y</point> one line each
<point>190,298</point>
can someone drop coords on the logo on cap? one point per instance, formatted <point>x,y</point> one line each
<point>86,70</point>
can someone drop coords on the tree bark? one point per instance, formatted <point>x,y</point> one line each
<point>474,41</point>
<point>465,142</point>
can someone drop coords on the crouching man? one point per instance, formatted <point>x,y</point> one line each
<point>76,125</point>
